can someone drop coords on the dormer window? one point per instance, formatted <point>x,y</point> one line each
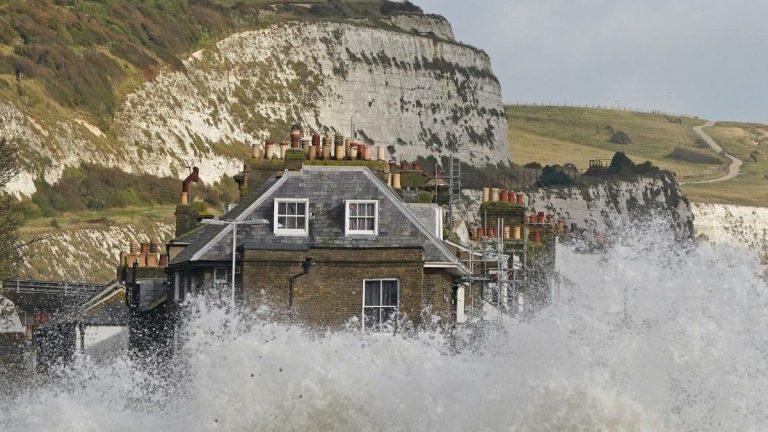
<point>291,217</point>
<point>362,217</point>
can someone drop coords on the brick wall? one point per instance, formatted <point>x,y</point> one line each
<point>332,292</point>
<point>438,295</point>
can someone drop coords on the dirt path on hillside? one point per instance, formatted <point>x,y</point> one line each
<point>733,167</point>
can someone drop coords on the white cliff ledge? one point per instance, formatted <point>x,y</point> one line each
<point>731,224</point>
<point>618,204</point>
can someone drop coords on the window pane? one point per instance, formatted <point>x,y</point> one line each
<point>372,317</point>
<point>388,316</point>
<point>219,274</point>
<point>300,222</point>
<point>369,209</point>
<point>281,208</point>
<point>301,208</point>
<point>352,209</point>
<point>292,223</point>
<point>389,293</point>
<point>291,209</point>
<point>372,293</point>
<point>369,224</point>
<point>281,220</point>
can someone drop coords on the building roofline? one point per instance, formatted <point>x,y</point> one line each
<point>200,252</point>
<point>385,189</point>
<point>416,221</point>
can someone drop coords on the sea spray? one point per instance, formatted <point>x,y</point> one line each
<point>650,335</point>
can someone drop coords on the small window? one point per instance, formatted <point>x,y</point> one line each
<point>380,304</point>
<point>291,217</point>
<point>362,217</point>
<point>220,276</point>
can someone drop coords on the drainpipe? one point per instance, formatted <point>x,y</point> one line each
<point>81,327</point>
<point>305,266</point>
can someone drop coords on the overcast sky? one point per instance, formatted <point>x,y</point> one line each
<point>699,57</point>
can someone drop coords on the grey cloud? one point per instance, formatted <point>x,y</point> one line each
<point>705,57</point>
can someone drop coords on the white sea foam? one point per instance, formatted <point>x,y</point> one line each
<point>652,336</point>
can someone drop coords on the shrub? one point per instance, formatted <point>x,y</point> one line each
<point>621,164</point>
<point>425,197</point>
<point>94,187</point>
<point>533,165</point>
<point>623,167</point>
<point>646,168</point>
<point>620,137</point>
<point>554,176</point>
<point>693,156</point>
<point>392,7</point>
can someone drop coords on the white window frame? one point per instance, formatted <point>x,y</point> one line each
<point>375,231</point>
<point>286,231</point>
<point>381,287</point>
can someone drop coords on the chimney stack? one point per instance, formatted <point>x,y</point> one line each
<point>186,216</point>
<point>193,177</point>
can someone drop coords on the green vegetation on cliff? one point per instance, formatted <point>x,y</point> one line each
<point>93,188</point>
<point>85,55</point>
<point>9,220</point>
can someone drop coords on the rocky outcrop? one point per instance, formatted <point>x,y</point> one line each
<point>731,224</point>
<point>89,254</point>
<point>403,84</point>
<point>425,25</point>
<point>618,204</point>
<point>603,207</point>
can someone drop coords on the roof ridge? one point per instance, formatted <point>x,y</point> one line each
<point>333,168</point>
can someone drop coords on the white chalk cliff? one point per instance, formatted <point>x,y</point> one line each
<point>618,204</point>
<point>405,84</point>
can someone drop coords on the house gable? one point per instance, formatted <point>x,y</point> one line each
<point>327,189</point>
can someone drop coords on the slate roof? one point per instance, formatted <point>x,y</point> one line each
<point>427,214</point>
<point>326,188</point>
<point>191,236</point>
<point>206,233</point>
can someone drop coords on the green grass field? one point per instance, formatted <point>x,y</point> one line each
<point>748,142</point>
<point>558,135</point>
<point>93,219</point>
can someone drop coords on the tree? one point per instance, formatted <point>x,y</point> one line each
<point>9,217</point>
<point>620,137</point>
<point>554,176</point>
<point>621,164</point>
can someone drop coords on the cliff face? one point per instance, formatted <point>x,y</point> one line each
<point>424,24</point>
<point>87,255</point>
<point>604,207</point>
<point>615,205</point>
<point>737,225</point>
<point>416,95</point>
<point>404,84</point>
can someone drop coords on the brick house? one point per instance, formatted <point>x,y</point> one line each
<point>340,245</point>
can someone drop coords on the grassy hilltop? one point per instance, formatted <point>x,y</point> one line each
<point>559,135</point>
<point>748,142</point>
